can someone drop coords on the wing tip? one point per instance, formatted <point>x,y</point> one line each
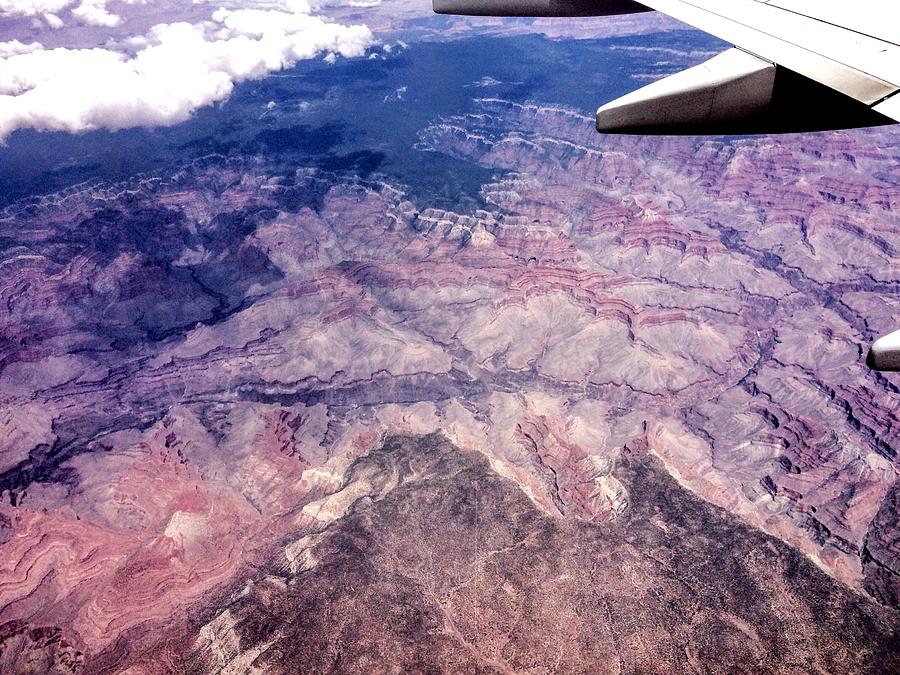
<point>884,354</point>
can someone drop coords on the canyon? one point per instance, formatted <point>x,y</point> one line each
<point>614,411</point>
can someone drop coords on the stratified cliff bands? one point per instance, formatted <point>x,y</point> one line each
<point>616,419</point>
<point>441,564</point>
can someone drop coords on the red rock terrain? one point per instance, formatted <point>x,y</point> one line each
<point>644,356</point>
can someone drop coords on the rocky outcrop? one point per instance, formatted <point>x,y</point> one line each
<point>442,565</point>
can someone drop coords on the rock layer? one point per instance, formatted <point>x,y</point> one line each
<point>441,565</point>
<point>193,366</point>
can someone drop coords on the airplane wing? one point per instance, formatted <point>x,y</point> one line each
<point>797,65</point>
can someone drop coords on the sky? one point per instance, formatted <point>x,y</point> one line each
<point>91,64</point>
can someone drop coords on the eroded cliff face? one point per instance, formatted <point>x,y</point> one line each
<point>199,371</point>
<point>442,565</point>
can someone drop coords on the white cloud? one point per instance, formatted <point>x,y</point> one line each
<point>53,21</point>
<point>361,4</point>
<point>94,13</point>
<point>32,7</point>
<point>163,77</point>
<point>397,95</point>
<point>15,47</point>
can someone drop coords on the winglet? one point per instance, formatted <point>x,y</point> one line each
<point>727,88</point>
<point>734,93</point>
<point>885,353</point>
